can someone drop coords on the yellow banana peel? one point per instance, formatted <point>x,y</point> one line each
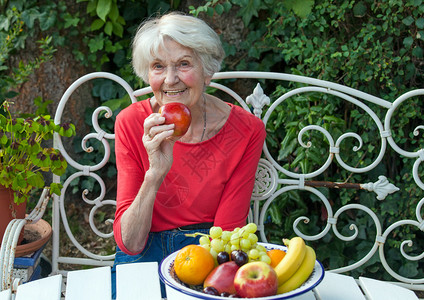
<point>296,249</point>
<point>302,274</point>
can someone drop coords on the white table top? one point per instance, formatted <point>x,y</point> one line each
<point>140,281</point>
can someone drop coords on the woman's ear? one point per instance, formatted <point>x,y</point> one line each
<point>208,80</point>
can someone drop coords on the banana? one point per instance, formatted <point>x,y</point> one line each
<point>296,249</point>
<point>303,273</point>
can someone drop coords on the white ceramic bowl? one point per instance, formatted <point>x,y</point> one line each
<point>176,291</point>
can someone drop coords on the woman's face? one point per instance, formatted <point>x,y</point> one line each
<point>176,75</point>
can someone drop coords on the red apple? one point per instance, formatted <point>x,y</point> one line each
<point>222,277</point>
<point>256,279</point>
<point>178,114</point>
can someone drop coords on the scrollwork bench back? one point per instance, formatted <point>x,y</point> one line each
<point>273,178</point>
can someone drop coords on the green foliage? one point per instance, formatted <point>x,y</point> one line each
<point>111,25</point>
<point>250,8</point>
<point>301,8</point>
<point>12,37</point>
<point>211,7</point>
<point>23,156</point>
<point>376,47</point>
<point>108,16</point>
<point>354,42</point>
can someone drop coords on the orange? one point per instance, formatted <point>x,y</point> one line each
<point>193,264</point>
<point>276,256</point>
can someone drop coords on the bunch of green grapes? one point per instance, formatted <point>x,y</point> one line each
<point>243,239</point>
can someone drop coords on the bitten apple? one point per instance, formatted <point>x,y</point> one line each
<point>222,277</point>
<point>178,114</point>
<point>256,279</point>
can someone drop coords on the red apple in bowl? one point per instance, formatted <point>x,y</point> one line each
<point>178,114</point>
<point>256,279</point>
<point>222,278</point>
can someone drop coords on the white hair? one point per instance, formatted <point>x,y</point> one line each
<point>186,30</point>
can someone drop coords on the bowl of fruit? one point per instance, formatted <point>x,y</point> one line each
<point>233,264</point>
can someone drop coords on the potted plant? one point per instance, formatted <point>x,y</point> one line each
<point>25,158</point>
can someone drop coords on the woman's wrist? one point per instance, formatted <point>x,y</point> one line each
<point>154,177</point>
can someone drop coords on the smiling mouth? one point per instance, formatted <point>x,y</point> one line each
<point>173,93</point>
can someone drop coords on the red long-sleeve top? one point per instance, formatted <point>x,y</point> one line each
<point>210,181</point>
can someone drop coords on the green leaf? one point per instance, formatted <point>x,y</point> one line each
<point>118,29</point>
<point>4,23</point>
<point>55,188</point>
<point>302,8</point>
<point>285,151</point>
<point>359,9</point>
<point>408,21</point>
<point>210,11</point>
<point>35,148</point>
<point>315,157</point>
<point>275,214</point>
<point>219,9</point>
<point>34,179</point>
<point>420,23</point>
<point>298,158</point>
<point>304,165</point>
<point>96,44</point>
<point>108,28</point>
<point>69,132</point>
<point>114,12</point>
<point>97,24</point>
<point>409,269</point>
<point>3,140</point>
<point>408,41</point>
<point>103,8</point>
<point>18,182</point>
<point>417,52</point>
<point>71,21</point>
<point>30,16</point>
<point>115,104</point>
<point>333,119</point>
<point>48,20</point>
<point>249,9</point>
<point>91,7</point>
<point>227,6</point>
<point>107,91</point>
<point>121,20</point>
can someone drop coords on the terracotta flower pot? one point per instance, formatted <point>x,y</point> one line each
<point>9,210</point>
<point>36,235</point>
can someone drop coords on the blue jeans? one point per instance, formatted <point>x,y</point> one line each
<point>159,245</point>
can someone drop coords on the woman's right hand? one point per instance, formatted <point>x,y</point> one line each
<point>159,143</point>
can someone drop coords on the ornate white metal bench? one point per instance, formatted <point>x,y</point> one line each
<point>272,179</point>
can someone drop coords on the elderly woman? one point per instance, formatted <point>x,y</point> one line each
<point>169,186</point>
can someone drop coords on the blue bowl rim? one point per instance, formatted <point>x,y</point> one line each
<point>199,295</point>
